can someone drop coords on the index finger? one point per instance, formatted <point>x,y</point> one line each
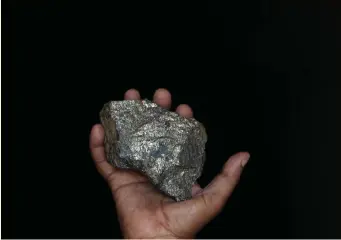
<point>98,153</point>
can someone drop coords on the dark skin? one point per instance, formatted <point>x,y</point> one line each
<point>143,211</point>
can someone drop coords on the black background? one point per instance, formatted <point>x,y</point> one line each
<point>262,76</point>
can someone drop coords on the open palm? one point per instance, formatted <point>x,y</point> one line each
<point>143,211</point>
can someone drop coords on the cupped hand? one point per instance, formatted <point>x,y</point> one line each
<point>143,211</point>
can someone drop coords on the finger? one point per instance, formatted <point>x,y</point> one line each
<point>132,94</point>
<point>163,98</point>
<point>184,110</point>
<point>98,153</point>
<point>219,190</point>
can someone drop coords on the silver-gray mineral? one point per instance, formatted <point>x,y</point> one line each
<point>165,146</point>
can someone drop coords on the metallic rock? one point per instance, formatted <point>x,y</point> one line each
<point>168,148</point>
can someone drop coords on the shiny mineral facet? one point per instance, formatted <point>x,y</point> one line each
<point>168,148</point>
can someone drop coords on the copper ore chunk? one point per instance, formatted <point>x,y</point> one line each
<point>168,148</point>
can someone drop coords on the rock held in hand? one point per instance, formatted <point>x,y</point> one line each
<point>166,147</point>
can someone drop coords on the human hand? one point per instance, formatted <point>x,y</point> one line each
<point>143,211</point>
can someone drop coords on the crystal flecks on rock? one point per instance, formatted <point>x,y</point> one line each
<point>168,148</point>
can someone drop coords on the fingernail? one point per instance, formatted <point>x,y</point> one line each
<point>245,161</point>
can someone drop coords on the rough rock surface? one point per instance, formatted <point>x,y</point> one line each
<point>168,148</point>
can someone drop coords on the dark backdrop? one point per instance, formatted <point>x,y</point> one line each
<point>262,76</point>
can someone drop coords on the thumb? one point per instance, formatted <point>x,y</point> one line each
<point>210,201</point>
<point>220,189</point>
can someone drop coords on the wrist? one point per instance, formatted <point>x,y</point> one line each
<point>170,236</point>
